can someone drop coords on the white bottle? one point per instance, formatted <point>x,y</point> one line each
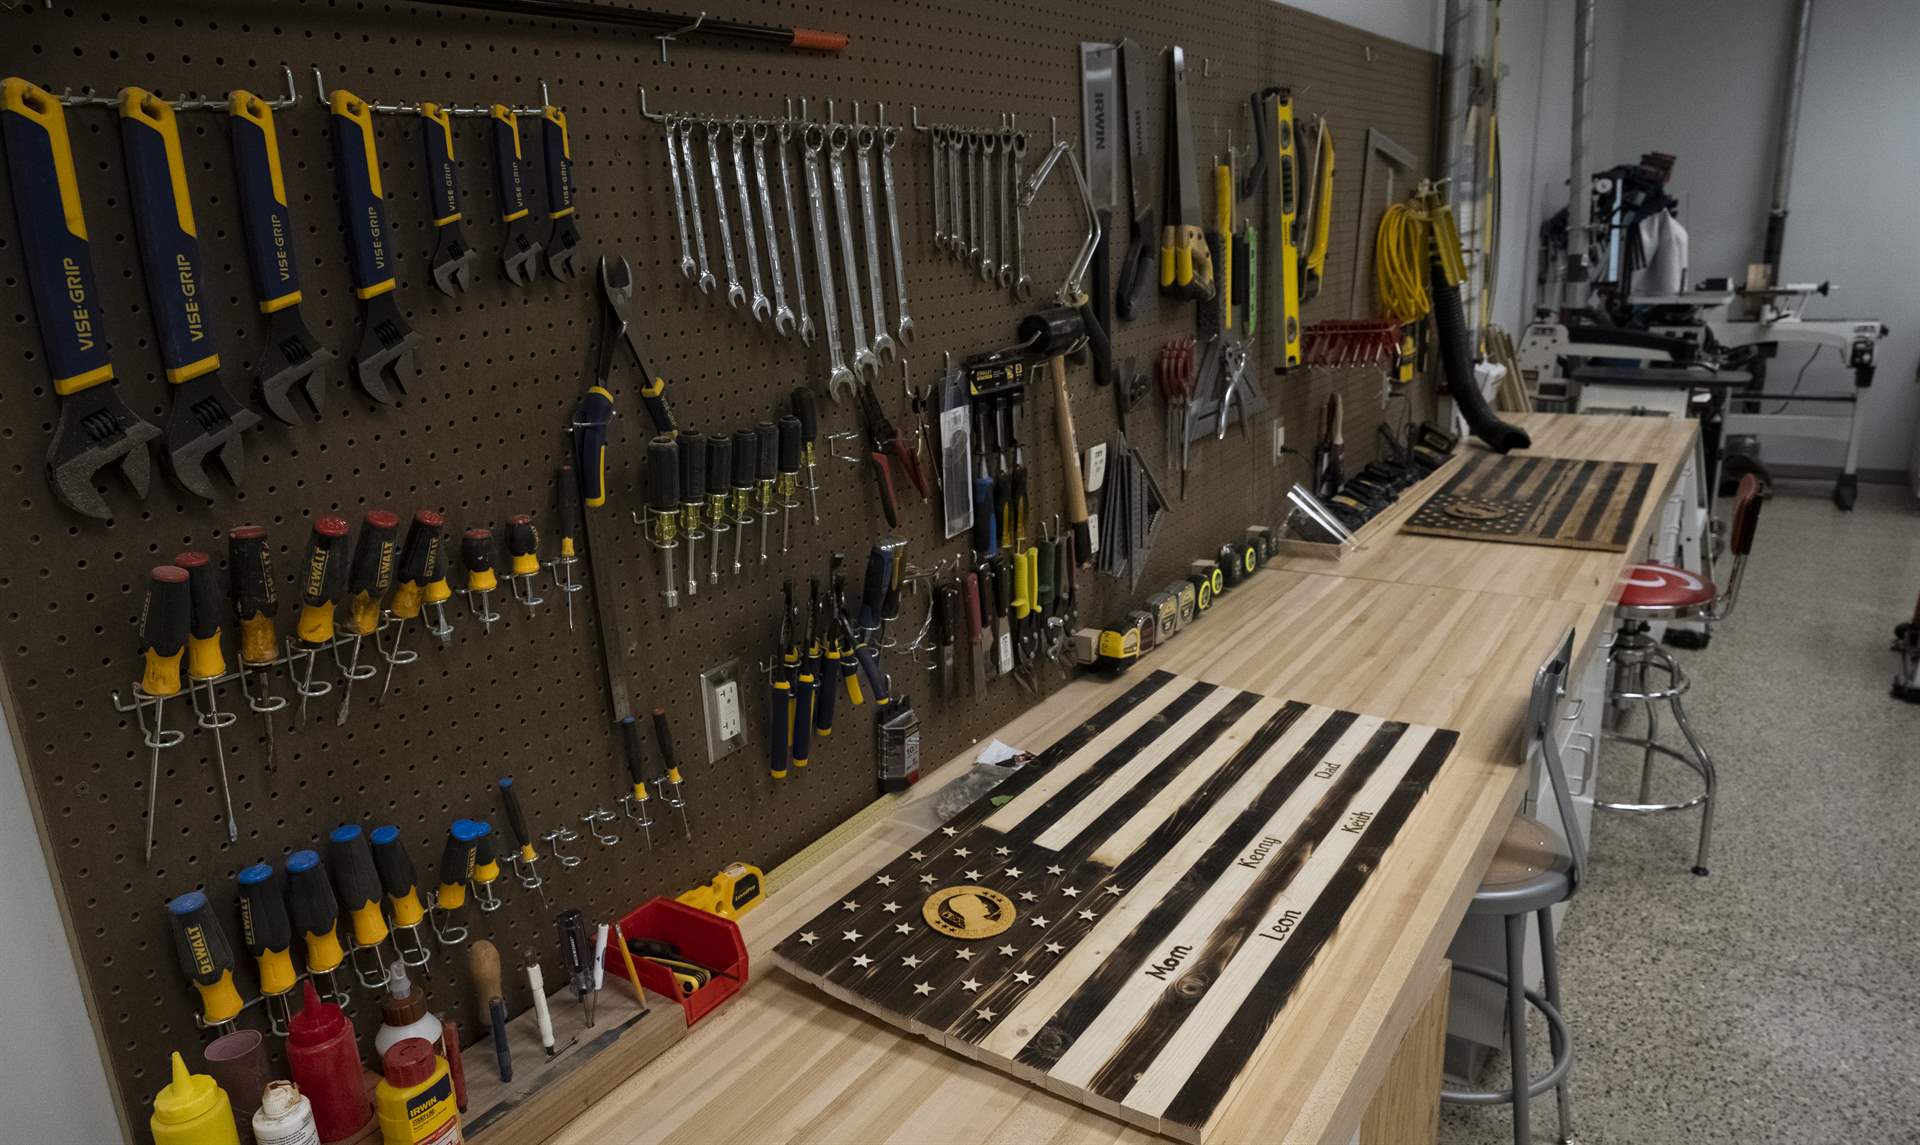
<point>285,1117</point>
<point>403,1014</point>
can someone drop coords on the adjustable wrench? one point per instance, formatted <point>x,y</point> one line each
<point>1000,194</point>
<point>205,422</point>
<point>864,361</point>
<point>761,308</point>
<point>782,313</point>
<point>94,429</point>
<point>736,294</point>
<point>679,200</point>
<point>793,238</point>
<point>1022,286</point>
<point>387,343</point>
<point>838,377</point>
<point>706,280</point>
<point>989,163</point>
<point>518,250</point>
<point>563,234</point>
<point>937,138</point>
<point>453,256</point>
<point>972,251</point>
<point>890,136</point>
<point>883,348</point>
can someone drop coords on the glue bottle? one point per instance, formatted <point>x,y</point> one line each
<point>285,1117</point>
<point>192,1109</point>
<point>403,1014</point>
<point>415,1097</point>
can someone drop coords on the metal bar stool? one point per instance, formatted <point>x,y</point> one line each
<point>1531,873</point>
<point>1656,592</point>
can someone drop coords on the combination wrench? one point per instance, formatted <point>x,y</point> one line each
<point>989,163</point>
<point>839,378</point>
<point>889,136</point>
<point>1000,181</point>
<point>883,348</point>
<point>864,361</point>
<point>972,250</point>
<point>679,200</point>
<point>782,313</point>
<point>957,212</point>
<point>737,131</point>
<point>707,281</point>
<point>1022,286</point>
<point>736,294</point>
<point>784,138</point>
<point>937,136</point>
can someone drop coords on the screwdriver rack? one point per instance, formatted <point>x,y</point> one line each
<point>484,426</point>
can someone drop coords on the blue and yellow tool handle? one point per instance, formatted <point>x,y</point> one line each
<point>205,957</point>
<point>357,883</point>
<point>265,930</point>
<point>443,178</point>
<point>53,236</point>
<point>164,228</point>
<point>266,223</point>
<point>506,163</point>
<point>591,418</point>
<point>557,150</point>
<point>779,705</point>
<point>363,208</point>
<point>314,911</point>
<point>397,878</point>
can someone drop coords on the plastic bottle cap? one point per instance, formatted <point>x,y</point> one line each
<point>188,1095</point>
<point>317,1020</point>
<point>403,1004</point>
<point>407,1062</point>
<point>280,1099</point>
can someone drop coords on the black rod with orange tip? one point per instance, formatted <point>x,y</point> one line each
<point>523,559</point>
<point>420,582</point>
<point>525,857</point>
<point>476,554</point>
<point>401,886</point>
<point>267,934</point>
<point>369,576</point>
<point>662,25</point>
<point>356,882</point>
<point>205,958</point>
<point>323,584</point>
<point>164,621</point>
<point>315,913</point>
<point>206,664</point>
<point>567,518</point>
<point>638,804</point>
<point>670,785</point>
<point>256,601</point>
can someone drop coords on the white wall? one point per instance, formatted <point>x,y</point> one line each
<point>1415,22</point>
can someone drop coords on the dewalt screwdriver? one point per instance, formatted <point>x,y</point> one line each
<point>638,803</point>
<point>746,452</point>
<point>693,500</point>
<point>255,602</point>
<point>316,915</point>
<point>719,474</point>
<point>523,559</point>
<point>369,577</point>
<point>567,513</point>
<point>206,959</point>
<point>525,857</point>
<point>206,664</point>
<point>766,452</point>
<point>323,584</point>
<point>476,554</point>
<point>787,484</point>
<point>356,883</point>
<point>268,936</point>
<point>400,884</point>
<point>670,784</point>
<point>809,415</point>
<point>164,621</point>
<point>663,508</point>
<point>486,866</point>
<point>458,860</point>
<point>421,583</point>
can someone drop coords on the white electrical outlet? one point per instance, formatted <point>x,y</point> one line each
<point>720,704</point>
<point>1279,439</point>
<point>726,704</point>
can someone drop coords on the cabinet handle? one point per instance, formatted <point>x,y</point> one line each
<point>1586,759</point>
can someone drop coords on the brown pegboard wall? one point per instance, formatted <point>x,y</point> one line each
<point>501,370</point>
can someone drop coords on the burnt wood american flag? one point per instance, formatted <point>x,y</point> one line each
<point>1144,896</point>
<point>1556,501</point>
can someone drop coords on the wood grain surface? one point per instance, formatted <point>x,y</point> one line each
<point>1532,500</point>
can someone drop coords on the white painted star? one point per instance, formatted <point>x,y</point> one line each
<point>1116,890</point>
<point>1069,891</point>
<point>889,907</point>
<point>961,852</point>
<point>909,961</point>
<point>1039,920</point>
<point>923,988</point>
<point>986,1014</point>
<point>1056,870</point>
<point>949,832</point>
<point>1088,915</point>
<point>1013,872</point>
<point>849,905</point>
<point>808,937</point>
<point>885,880</point>
<point>970,985</point>
<point>964,954</point>
<point>1054,948</point>
<point>1007,950</point>
<point>903,928</point>
<point>1003,852</point>
<point>916,856</point>
<point>850,935</point>
<point>928,879</point>
<point>971,875</point>
<point>1022,977</point>
<point>862,961</point>
<point>1028,896</point>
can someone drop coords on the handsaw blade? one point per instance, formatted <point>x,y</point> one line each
<point>1185,174</point>
<point>1133,102</point>
<point>1100,122</point>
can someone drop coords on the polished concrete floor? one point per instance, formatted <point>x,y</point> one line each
<point>1778,999</point>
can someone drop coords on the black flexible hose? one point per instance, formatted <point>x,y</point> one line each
<point>1456,357</point>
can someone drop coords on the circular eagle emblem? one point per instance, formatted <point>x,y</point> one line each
<point>968,912</point>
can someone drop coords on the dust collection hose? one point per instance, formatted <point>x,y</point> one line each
<point>1456,358</point>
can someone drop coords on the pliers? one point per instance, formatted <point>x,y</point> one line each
<point>887,450</point>
<point>616,299</point>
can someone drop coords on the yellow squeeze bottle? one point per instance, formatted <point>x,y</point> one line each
<point>415,1099</point>
<point>192,1109</point>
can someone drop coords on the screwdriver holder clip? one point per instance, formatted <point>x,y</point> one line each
<point>600,823</point>
<point>556,840</point>
<point>484,898</point>
<point>446,929</point>
<point>523,586</point>
<point>637,811</point>
<point>479,602</point>
<point>412,949</point>
<point>153,734</point>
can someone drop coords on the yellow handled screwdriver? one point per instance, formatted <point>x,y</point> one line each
<point>401,886</point>
<point>368,579</point>
<point>205,958</point>
<point>323,584</point>
<point>357,884</point>
<point>256,600</point>
<point>486,867</point>
<point>163,640</point>
<point>476,553</point>
<point>419,575</point>
<point>525,858</point>
<point>315,913</point>
<point>458,861</point>
<point>206,663</point>
<point>267,934</point>
<point>523,559</point>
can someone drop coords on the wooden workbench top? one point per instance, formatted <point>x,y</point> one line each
<point>782,1062</point>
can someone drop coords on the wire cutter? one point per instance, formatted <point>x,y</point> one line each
<point>616,300</point>
<point>888,449</point>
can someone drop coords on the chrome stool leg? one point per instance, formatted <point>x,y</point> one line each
<point>1517,1026</point>
<point>1524,1087</point>
<point>1637,656</point>
<point>1556,1037</point>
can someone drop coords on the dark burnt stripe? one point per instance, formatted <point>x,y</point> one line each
<point>880,925</point>
<point>1472,475</point>
<point>1522,472</point>
<point>1199,974</point>
<point>1234,1046</point>
<point>935,843</point>
<point>1564,500</point>
<point>1052,1040</point>
<point>1630,511</point>
<point>1602,500</point>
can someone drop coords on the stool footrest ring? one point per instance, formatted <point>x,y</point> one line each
<point>1535,1087</point>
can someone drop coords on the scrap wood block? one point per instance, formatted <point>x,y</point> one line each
<point>1124,920</point>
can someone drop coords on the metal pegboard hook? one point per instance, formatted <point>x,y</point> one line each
<point>666,117</point>
<point>668,37</point>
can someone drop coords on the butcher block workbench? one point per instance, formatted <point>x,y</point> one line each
<point>1429,630</point>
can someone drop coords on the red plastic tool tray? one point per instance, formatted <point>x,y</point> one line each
<point>704,938</point>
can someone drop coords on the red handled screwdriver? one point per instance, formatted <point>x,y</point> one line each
<point>323,583</point>
<point>369,576</point>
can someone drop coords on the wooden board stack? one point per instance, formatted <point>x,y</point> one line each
<point>1124,919</point>
<point>1554,501</point>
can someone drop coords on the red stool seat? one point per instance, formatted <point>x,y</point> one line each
<point>1665,587</point>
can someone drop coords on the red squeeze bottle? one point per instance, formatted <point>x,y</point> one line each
<point>324,1058</point>
<point>450,1037</point>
